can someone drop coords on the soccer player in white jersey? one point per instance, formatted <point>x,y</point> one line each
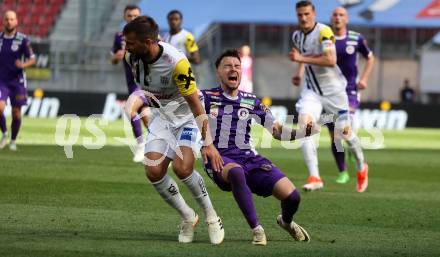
<point>324,89</point>
<point>181,38</point>
<point>163,71</point>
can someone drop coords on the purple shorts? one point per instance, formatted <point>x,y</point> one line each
<point>15,91</point>
<point>261,174</point>
<point>353,103</point>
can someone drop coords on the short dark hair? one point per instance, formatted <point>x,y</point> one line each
<point>131,7</point>
<point>228,53</point>
<point>304,3</point>
<point>175,12</point>
<point>144,27</point>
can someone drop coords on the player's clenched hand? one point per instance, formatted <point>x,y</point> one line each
<point>296,80</point>
<point>294,55</point>
<point>362,84</point>
<point>19,64</point>
<point>210,153</point>
<point>119,54</point>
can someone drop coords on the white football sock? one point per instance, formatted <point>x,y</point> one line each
<point>355,146</point>
<point>169,191</point>
<point>196,185</point>
<point>308,147</point>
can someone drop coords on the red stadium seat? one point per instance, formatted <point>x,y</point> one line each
<point>37,10</point>
<point>56,2</point>
<point>39,2</point>
<point>22,11</point>
<point>24,2</point>
<point>9,2</point>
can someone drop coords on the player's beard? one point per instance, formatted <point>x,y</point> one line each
<point>9,30</point>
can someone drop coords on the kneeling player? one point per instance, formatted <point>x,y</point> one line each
<point>245,172</point>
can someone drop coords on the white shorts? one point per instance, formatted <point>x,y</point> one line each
<point>165,139</point>
<point>335,107</point>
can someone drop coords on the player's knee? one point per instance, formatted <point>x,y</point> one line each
<point>154,174</point>
<point>236,175</point>
<point>182,169</point>
<point>16,113</point>
<point>294,198</point>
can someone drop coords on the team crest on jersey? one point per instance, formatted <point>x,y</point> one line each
<point>243,113</point>
<point>14,47</point>
<point>164,80</point>
<point>350,49</point>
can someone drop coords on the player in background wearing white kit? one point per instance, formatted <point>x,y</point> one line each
<point>324,89</point>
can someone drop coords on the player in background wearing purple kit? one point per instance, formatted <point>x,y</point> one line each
<point>118,51</point>
<point>348,45</point>
<point>15,55</point>
<point>230,113</point>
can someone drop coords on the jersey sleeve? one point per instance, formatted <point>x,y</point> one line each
<point>363,48</point>
<point>128,73</point>
<point>183,77</point>
<point>327,39</point>
<point>295,39</point>
<point>27,49</point>
<point>117,43</point>
<point>265,115</point>
<point>190,43</point>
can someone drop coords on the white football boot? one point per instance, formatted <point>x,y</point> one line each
<point>216,231</point>
<point>186,234</point>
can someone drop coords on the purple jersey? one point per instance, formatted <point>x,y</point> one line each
<point>119,44</point>
<point>230,120</point>
<point>12,49</point>
<point>347,49</point>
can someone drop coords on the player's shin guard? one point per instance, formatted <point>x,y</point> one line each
<point>355,146</point>
<point>137,129</point>
<point>3,123</point>
<point>290,205</point>
<point>308,147</point>
<point>169,191</point>
<point>196,185</point>
<point>15,127</point>
<point>243,195</point>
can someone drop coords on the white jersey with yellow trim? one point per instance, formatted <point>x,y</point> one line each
<point>322,80</point>
<point>169,78</point>
<point>184,41</point>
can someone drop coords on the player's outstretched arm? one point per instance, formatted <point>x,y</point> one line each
<point>208,150</point>
<point>284,133</point>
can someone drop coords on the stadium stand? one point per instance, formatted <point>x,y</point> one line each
<point>36,17</point>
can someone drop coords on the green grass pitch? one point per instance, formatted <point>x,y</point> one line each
<point>100,204</point>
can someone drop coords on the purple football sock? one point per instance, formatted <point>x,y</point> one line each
<point>290,205</point>
<point>3,123</point>
<point>338,155</point>
<point>137,129</point>
<point>15,127</point>
<point>243,195</point>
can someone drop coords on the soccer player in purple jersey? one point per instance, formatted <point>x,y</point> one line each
<point>230,113</point>
<point>348,45</point>
<point>15,55</point>
<point>118,51</point>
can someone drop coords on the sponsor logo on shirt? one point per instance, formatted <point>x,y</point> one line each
<point>249,106</point>
<point>188,134</point>
<point>164,80</point>
<point>247,101</point>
